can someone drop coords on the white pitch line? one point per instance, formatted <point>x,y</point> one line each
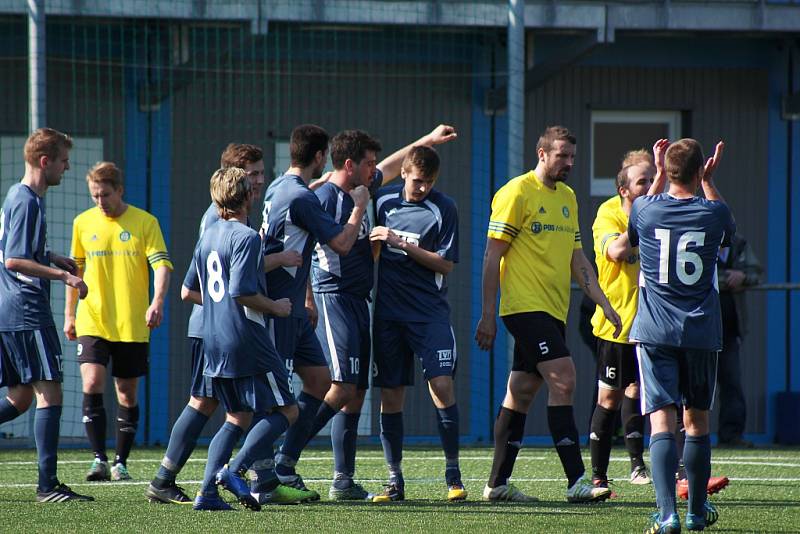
<point>368,481</point>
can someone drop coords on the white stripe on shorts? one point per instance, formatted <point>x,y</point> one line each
<point>337,372</point>
<point>37,334</point>
<point>274,387</point>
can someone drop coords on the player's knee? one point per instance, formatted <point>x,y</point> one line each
<point>21,397</point>
<point>48,393</point>
<point>290,413</point>
<point>204,405</point>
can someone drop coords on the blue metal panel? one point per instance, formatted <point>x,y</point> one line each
<point>794,231</point>
<point>776,246</point>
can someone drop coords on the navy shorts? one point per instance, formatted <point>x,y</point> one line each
<point>257,393</point>
<point>396,344</point>
<point>128,359</point>
<point>538,337</point>
<point>28,356</point>
<point>673,375</point>
<point>617,366</point>
<point>202,386</point>
<point>343,332</point>
<point>297,343</point>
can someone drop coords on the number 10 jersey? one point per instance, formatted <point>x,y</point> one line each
<point>678,241</point>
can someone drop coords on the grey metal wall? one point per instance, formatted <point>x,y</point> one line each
<point>398,102</point>
<point>727,104</point>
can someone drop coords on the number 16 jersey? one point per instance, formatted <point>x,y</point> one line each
<point>678,241</point>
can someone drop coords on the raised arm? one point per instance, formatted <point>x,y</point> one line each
<point>584,276</point>
<point>659,150</point>
<point>426,258</point>
<point>343,242</point>
<point>709,189</point>
<point>620,248</point>
<point>390,165</point>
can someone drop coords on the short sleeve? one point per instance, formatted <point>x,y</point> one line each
<point>245,266</point>
<point>155,249</point>
<point>307,212</point>
<point>578,244</point>
<point>447,246</point>
<point>76,251</point>
<point>20,229</point>
<point>633,219</point>
<point>604,231</point>
<point>508,212</point>
<point>192,280</point>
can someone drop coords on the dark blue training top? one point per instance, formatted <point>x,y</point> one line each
<point>294,220</point>
<point>24,300</point>
<point>407,291</point>
<point>352,273</point>
<point>196,318</point>
<point>236,340</point>
<point>678,241</point>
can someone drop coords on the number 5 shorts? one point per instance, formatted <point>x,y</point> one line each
<point>538,337</point>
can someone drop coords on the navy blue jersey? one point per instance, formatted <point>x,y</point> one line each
<point>352,273</point>
<point>678,241</point>
<point>407,291</point>
<point>229,264</point>
<point>295,221</point>
<point>196,318</point>
<point>24,300</point>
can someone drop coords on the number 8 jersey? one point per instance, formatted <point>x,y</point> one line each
<point>227,263</point>
<point>678,241</point>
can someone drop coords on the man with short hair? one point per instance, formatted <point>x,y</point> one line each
<point>113,245</point>
<point>202,402</point>
<point>678,326</point>
<point>247,375</point>
<point>416,238</point>
<point>533,237</point>
<point>296,221</point>
<point>617,369</point>
<point>30,351</point>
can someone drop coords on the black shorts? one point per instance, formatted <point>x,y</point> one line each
<point>538,337</point>
<point>617,366</point>
<point>128,359</point>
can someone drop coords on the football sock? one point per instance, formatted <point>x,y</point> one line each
<point>392,441</point>
<point>697,459</point>
<point>324,414</point>
<point>297,435</point>
<point>663,463</point>
<point>182,441</point>
<point>94,420</point>
<point>262,474</point>
<point>600,440</point>
<point>46,425</point>
<point>448,432</point>
<point>219,452</point>
<point>565,437</point>
<point>261,437</point>
<point>508,430</point>
<point>633,424</point>
<point>8,411</point>
<point>344,432</point>
<point>127,423</point>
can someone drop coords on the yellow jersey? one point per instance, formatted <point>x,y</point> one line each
<point>541,225</point>
<point>619,280</point>
<point>114,254</point>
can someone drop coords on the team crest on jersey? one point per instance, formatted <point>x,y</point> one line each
<point>536,227</point>
<point>124,236</point>
<point>565,212</point>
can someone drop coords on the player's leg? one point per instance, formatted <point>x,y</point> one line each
<point>129,363</point>
<point>93,357</point>
<point>344,434</point>
<point>732,406</point>
<point>435,346</point>
<point>394,368</point>
<point>310,364</point>
<point>219,452</point>
<point>42,349</point>
<point>19,396</point>
<point>659,370</point>
<point>509,427</point>
<point>697,385</point>
<point>633,426</point>
<point>185,432</point>
<point>609,398</point>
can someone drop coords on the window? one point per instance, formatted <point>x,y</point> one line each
<point>616,132</point>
